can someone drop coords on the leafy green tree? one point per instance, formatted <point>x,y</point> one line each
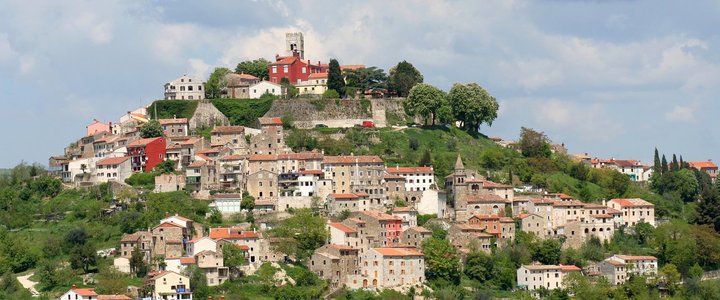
<point>403,77</point>
<point>152,129</point>
<point>300,140</point>
<point>533,143</point>
<point>165,167</point>
<point>198,282</point>
<point>426,159</point>
<point>138,266</point>
<point>657,167</point>
<point>344,215</point>
<point>76,236</point>
<point>233,258</point>
<point>335,78</point>
<point>441,260</point>
<point>331,94</point>
<point>111,281</point>
<point>47,274</point>
<point>300,234</point>
<point>287,120</point>
<point>643,232</point>
<point>257,67</point>
<point>549,252</point>
<point>472,105</point>
<point>247,202</point>
<point>216,82</point>
<point>365,78</point>
<point>479,266</point>
<point>425,100</point>
<point>676,245</point>
<point>664,165</point>
<point>83,256</point>
<point>671,277</point>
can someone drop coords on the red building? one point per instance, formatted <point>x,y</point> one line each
<point>294,69</point>
<point>145,154</point>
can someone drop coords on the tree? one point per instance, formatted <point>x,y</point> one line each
<point>258,68</point>
<point>331,94</point>
<point>216,83</point>
<point>425,100</point>
<point>300,140</point>
<point>549,252</point>
<point>83,256</point>
<point>247,202</point>
<point>152,129</point>
<point>137,263</point>
<point>198,282</point>
<point>287,120</point>
<point>441,260</point>
<point>47,274</point>
<point>403,77</point>
<point>671,276</point>
<point>76,236</point>
<point>657,168</point>
<point>233,257</point>
<point>335,78</point>
<point>533,143</point>
<point>472,105</point>
<point>663,165</point>
<point>426,159</point>
<point>365,78</point>
<point>301,234</point>
<point>290,90</point>
<point>479,266</point>
<point>165,167</point>
<point>643,232</point>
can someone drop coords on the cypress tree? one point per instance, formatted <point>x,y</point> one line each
<point>674,166</point>
<point>663,165</point>
<point>682,163</point>
<point>656,164</point>
<point>335,78</point>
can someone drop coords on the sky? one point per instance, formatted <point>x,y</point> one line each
<point>612,78</point>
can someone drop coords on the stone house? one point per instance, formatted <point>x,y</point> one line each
<point>263,185</point>
<point>240,237</point>
<point>271,139</point>
<point>614,270</point>
<point>354,174</point>
<point>577,232</point>
<point>471,237</point>
<point>533,277</point>
<point>408,216</point>
<point>391,267</point>
<point>634,210</point>
<point>341,234</point>
<point>485,204</point>
<point>169,183</point>
<point>533,223</point>
<point>141,239</point>
<point>232,171</point>
<point>339,264</point>
<point>337,203</point>
<point>211,262</point>
<point>395,187</point>
<point>237,86</point>
<point>201,175</point>
<point>230,136</point>
<point>175,126</point>
<point>640,265</point>
<point>414,236</point>
<point>384,229</point>
<point>168,240</point>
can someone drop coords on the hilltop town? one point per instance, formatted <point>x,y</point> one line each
<point>282,182</point>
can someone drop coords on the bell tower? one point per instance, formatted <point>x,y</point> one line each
<point>294,43</point>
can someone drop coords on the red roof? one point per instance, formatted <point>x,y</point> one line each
<point>410,170</point>
<point>232,157</point>
<point>243,247</point>
<point>492,198</point>
<point>187,260</point>
<point>633,257</point>
<point>227,196</point>
<point>112,161</point>
<point>398,251</point>
<point>287,60</point>
<point>231,233</point>
<point>352,159</point>
<point>173,121</point>
<point>351,67</point>
<point>262,157</point>
<point>342,227</point>
<point>633,202</point>
<point>168,225</point>
<point>703,164</point>
<point>380,216</point>
<point>85,292</point>
<point>300,155</point>
<point>344,196</point>
<point>113,297</point>
<point>312,172</point>
<point>228,129</point>
<point>270,121</point>
<point>403,209</point>
<point>318,75</point>
<point>143,142</point>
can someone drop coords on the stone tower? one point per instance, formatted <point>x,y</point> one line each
<point>294,42</point>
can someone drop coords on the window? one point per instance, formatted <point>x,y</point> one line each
<point>286,69</point>
<point>304,70</point>
<point>274,69</point>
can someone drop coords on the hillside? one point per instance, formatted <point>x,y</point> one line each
<point>167,109</point>
<point>240,111</point>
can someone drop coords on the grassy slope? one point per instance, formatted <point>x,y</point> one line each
<point>243,111</point>
<point>167,109</point>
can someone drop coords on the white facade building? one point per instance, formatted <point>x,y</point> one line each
<point>185,88</point>
<point>532,277</point>
<point>262,87</point>
<point>227,203</point>
<point>416,178</point>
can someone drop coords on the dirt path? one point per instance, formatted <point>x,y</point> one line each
<point>29,284</point>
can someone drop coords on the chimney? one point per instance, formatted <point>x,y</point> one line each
<point>277,57</point>
<point>222,297</point>
<point>210,298</point>
<point>74,286</point>
<point>167,214</point>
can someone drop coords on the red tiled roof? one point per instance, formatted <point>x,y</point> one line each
<point>352,159</point>
<point>270,121</point>
<point>244,76</point>
<point>542,201</point>
<point>143,142</point>
<point>403,209</point>
<point>113,297</point>
<point>196,164</point>
<point>632,202</point>
<point>420,229</point>
<point>342,227</point>
<point>244,247</point>
<point>612,211</point>
<point>207,150</point>
<point>173,121</point>
<point>85,292</point>
<point>703,164</point>
<point>312,172</point>
<point>633,257</point>
<point>410,170</point>
<point>112,161</point>
<point>168,225</point>
<point>380,216</point>
<point>204,157</point>
<point>553,267</point>
<point>614,262</point>
<point>398,251</point>
<point>318,75</point>
<point>344,196</point>
<point>231,233</point>
<point>568,203</point>
<point>351,67</point>
<point>232,157</point>
<point>506,220</point>
<point>494,185</point>
<point>287,60</point>
<point>262,157</point>
<point>300,155</point>
<point>228,129</point>
<point>602,216</point>
<point>187,260</point>
<point>393,177</point>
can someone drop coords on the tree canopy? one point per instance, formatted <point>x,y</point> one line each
<point>301,234</point>
<point>257,67</point>
<point>403,77</point>
<point>425,101</point>
<point>533,143</point>
<point>472,105</point>
<point>216,83</point>
<point>441,260</point>
<point>335,78</point>
<point>365,78</point>
<point>152,129</point>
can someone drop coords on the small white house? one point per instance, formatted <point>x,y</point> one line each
<point>262,87</point>
<point>227,203</point>
<point>185,88</point>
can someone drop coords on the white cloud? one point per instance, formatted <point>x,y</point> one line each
<point>681,114</point>
<point>198,68</point>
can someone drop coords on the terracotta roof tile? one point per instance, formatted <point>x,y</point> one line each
<point>231,233</point>
<point>632,202</point>
<point>143,142</point>
<point>85,292</point>
<point>398,251</point>
<point>702,164</point>
<point>173,121</point>
<point>270,121</point>
<point>352,159</point>
<point>402,170</point>
<point>228,129</point>
<point>342,227</point>
<point>488,198</point>
<point>112,161</point>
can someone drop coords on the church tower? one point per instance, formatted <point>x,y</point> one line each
<point>294,42</point>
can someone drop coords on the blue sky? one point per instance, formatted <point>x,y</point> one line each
<point>612,78</point>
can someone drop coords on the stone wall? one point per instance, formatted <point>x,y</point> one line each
<point>207,114</point>
<point>342,113</point>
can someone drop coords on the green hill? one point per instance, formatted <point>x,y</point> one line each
<point>167,109</point>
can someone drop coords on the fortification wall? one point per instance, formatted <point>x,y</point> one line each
<point>336,113</point>
<point>207,114</point>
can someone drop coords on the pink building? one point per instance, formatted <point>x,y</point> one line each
<point>97,127</point>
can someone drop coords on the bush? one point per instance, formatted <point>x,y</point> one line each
<point>244,112</point>
<point>167,109</point>
<point>331,94</point>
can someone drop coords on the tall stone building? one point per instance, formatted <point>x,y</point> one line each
<point>295,43</point>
